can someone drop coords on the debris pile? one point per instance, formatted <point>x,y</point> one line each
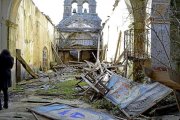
<point>132,98</point>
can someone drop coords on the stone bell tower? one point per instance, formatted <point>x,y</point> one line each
<point>68,7</point>
<point>80,28</point>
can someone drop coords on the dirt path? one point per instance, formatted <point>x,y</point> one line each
<point>24,96</point>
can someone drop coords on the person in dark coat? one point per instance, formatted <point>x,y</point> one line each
<point>6,64</point>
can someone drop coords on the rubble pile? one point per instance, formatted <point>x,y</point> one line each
<point>133,99</point>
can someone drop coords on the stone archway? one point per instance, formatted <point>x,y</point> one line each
<point>9,9</point>
<point>12,26</point>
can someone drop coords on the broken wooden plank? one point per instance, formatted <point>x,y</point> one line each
<point>89,83</point>
<point>120,57</point>
<point>98,84</point>
<point>18,67</point>
<point>58,59</point>
<point>34,115</point>
<point>76,62</point>
<point>164,109</point>
<point>118,47</point>
<point>26,66</point>
<point>115,66</point>
<point>169,78</point>
<point>162,77</point>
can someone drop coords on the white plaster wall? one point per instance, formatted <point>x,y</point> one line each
<point>118,21</point>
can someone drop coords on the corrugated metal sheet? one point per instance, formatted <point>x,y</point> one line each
<point>132,98</point>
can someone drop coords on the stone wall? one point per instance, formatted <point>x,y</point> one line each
<point>34,33</point>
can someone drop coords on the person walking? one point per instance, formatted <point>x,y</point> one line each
<point>6,64</point>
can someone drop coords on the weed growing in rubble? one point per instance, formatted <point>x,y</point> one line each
<point>64,89</point>
<point>102,104</point>
<point>18,88</point>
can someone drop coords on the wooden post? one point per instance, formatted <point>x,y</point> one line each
<point>79,54</point>
<point>18,67</point>
<point>58,59</point>
<point>98,47</point>
<point>118,47</point>
<point>26,66</point>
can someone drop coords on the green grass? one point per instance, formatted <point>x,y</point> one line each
<point>18,88</point>
<point>65,89</point>
<point>102,104</point>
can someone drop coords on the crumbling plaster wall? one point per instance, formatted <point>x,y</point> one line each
<point>34,33</point>
<point>119,21</point>
<point>157,20</point>
<point>140,15</point>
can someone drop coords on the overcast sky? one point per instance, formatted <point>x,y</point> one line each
<point>54,8</point>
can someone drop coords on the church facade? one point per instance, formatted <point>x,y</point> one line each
<point>79,31</point>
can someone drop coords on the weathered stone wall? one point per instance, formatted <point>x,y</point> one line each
<point>34,34</point>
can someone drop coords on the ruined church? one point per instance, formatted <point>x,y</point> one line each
<point>79,31</point>
<point>130,59</point>
<point>133,35</point>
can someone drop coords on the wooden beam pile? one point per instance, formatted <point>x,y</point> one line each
<point>126,94</point>
<point>96,76</point>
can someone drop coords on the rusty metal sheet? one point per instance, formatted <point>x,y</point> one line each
<point>60,111</point>
<point>132,98</point>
